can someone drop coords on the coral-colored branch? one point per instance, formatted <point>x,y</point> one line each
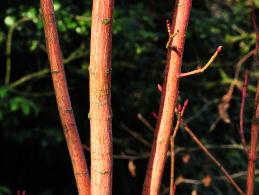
<point>255,121</point>
<point>211,157</point>
<point>241,122</point>
<point>180,113</point>
<point>100,113</point>
<point>172,152</point>
<point>201,70</point>
<point>253,145</point>
<point>168,99</point>
<point>63,99</point>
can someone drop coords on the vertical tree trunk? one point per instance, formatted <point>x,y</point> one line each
<point>63,99</point>
<point>100,114</point>
<point>168,99</point>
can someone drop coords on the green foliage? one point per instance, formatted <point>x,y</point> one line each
<point>4,190</point>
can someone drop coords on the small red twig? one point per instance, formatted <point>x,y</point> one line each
<point>241,122</point>
<point>180,113</point>
<point>159,88</point>
<point>154,115</point>
<point>171,34</point>
<point>201,70</point>
<point>169,28</point>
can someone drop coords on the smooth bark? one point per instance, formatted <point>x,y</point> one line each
<point>100,114</point>
<point>63,100</point>
<point>168,99</point>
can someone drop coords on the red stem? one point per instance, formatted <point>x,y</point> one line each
<point>253,145</point>
<point>63,100</point>
<point>241,122</point>
<point>100,114</point>
<point>168,99</point>
<point>255,120</point>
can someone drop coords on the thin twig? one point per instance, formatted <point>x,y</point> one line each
<point>212,158</point>
<point>172,150</point>
<point>180,113</point>
<point>28,77</point>
<point>237,175</point>
<point>135,135</point>
<point>145,122</point>
<point>73,56</point>
<point>241,122</point>
<point>201,70</point>
<point>9,47</point>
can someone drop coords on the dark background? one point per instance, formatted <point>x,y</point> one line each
<point>33,153</point>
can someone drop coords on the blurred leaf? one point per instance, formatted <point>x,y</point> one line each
<point>9,20</point>
<point>5,190</point>
<point>3,92</point>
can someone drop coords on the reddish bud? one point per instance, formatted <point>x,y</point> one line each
<point>184,106</point>
<point>185,103</point>
<point>168,25</point>
<point>154,115</point>
<point>179,108</point>
<point>219,49</point>
<point>159,87</point>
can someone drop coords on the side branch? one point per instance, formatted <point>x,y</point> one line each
<point>212,158</point>
<point>241,114</point>
<point>201,70</point>
<point>180,113</point>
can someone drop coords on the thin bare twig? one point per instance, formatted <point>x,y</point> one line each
<point>241,121</point>
<point>9,47</point>
<point>172,150</point>
<point>180,113</point>
<point>28,77</point>
<point>201,70</point>
<point>135,135</point>
<point>145,122</point>
<point>212,158</point>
